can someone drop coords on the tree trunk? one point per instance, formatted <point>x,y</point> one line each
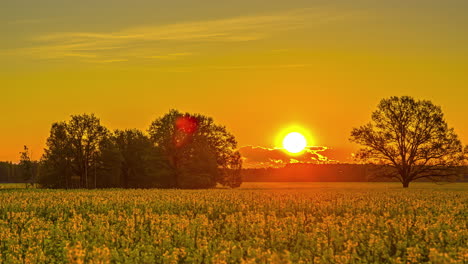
<point>86,174</point>
<point>95,181</point>
<point>405,179</point>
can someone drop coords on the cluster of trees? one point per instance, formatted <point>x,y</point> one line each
<point>406,140</point>
<point>11,173</point>
<point>180,150</point>
<point>25,171</point>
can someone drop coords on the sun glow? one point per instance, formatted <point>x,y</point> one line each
<point>294,139</point>
<point>294,142</point>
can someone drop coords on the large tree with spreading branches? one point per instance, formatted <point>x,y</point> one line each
<point>409,139</point>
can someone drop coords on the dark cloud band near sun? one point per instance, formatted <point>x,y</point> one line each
<point>260,157</point>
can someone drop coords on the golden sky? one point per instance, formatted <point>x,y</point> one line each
<point>256,66</point>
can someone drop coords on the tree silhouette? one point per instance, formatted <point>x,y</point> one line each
<point>133,146</point>
<point>28,167</point>
<point>56,162</point>
<point>106,164</point>
<point>142,165</point>
<point>189,139</point>
<point>72,150</point>
<point>411,140</point>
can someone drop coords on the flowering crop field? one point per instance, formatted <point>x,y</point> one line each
<point>257,223</point>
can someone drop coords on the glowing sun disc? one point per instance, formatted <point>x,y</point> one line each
<point>294,142</point>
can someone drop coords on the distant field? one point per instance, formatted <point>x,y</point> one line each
<point>12,185</point>
<point>257,223</point>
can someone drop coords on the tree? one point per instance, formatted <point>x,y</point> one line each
<point>193,143</point>
<point>231,174</point>
<point>72,151</point>
<point>141,164</point>
<point>411,140</point>
<point>28,167</point>
<point>106,166</point>
<point>56,162</point>
<point>86,134</point>
<point>200,169</point>
<point>133,146</point>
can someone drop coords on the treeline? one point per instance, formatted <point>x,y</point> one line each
<point>11,173</point>
<point>179,150</point>
<point>24,172</point>
<point>327,173</point>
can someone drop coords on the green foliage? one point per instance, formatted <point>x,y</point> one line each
<point>281,223</point>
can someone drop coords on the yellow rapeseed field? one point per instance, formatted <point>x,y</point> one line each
<point>258,223</point>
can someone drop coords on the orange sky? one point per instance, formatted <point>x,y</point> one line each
<point>255,66</point>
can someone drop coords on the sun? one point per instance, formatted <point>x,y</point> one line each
<point>294,139</point>
<point>294,142</point>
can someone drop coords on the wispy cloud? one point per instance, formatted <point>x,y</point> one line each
<point>232,29</point>
<point>108,61</point>
<point>251,67</point>
<point>170,56</point>
<point>24,21</point>
<point>143,42</point>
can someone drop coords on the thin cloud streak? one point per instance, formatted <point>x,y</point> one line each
<point>257,67</point>
<point>170,56</point>
<point>140,42</point>
<point>233,29</point>
<point>222,68</point>
<point>109,61</point>
<point>24,21</point>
